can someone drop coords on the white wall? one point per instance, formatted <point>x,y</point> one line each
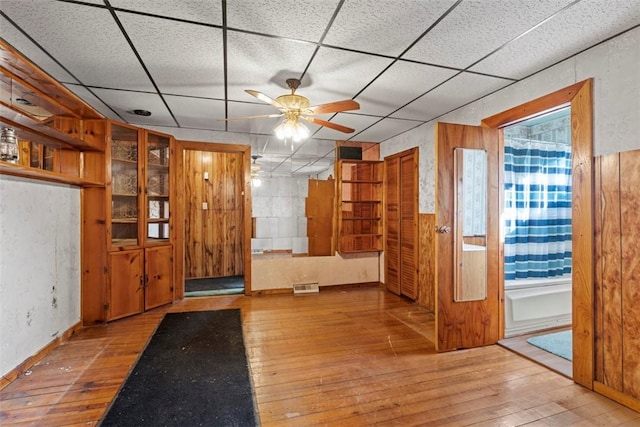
<point>615,68</point>
<point>39,266</point>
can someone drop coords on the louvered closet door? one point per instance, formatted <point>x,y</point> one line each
<point>408,226</point>
<point>392,239</point>
<point>401,210</point>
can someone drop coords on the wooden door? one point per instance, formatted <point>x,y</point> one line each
<point>409,224</point>
<point>401,215</point>
<point>465,324</point>
<point>319,212</point>
<point>158,266</point>
<point>126,283</point>
<point>392,228</point>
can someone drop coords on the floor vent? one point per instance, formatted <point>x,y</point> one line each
<point>305,288</point>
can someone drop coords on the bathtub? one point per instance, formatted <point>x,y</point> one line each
<point>535,304</point>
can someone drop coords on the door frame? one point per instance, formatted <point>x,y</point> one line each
<point>245,151</point>
<point>579,97</point>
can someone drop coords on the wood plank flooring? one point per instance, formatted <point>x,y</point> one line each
<point>354,357</point>
<point>520,345</point>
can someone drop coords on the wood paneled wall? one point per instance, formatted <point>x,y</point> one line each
<point>426,261</point>
<point>213,236</point>
<point>618,276</point>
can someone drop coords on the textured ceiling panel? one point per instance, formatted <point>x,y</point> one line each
<point>263,64</point>
<point>491,22</point>
<point>181,45</point>
<point>102,59</point>
<point>302,19</point>
<point>184,59</point>
<point>385,27</point>
<point>209,12</point>
<point>315,148</point>
<point>385,129</point>
<point>259,125</point>
<point>334,74</point>
<point>358,122</point>
<point>87,96</point>
<point>15,38</point>
<point>460,90</point>
<point>403,82</point>
<point>566,34</point>
<point>197,112</point>
<point>123,102</point>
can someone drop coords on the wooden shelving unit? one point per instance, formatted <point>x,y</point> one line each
<point>359,205</point>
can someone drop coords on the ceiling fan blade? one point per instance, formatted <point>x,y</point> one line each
<point>250,117</point>
<point>329,124</point>
<point>264,98</point>
<point>335,107</point>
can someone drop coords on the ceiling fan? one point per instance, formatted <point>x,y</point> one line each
<point>294,107</point>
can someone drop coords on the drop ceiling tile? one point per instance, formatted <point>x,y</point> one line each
<point>85,40</point>
<point>199,113</point>
<point>183,59</point>
<point>450,44</point>
<point>263,64</point>
<point>87,96</point>
<point>314,148</point>
<point>401,83</point>
<point>26,47</point>
<point>337,74</point>
<point>571,31</point>
<point>209,12</point>
<point>385,27</point>
<point>262,126</point>
<point>460,90</point>
<point>124,101</point>
<point>304,19</point>
<point>354,121</point>
<point>385,129</point>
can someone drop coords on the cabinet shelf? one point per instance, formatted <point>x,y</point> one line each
<point>124,220</point>
<point>352,181</point>
<point>157,220</point>
<point>359,205</point>
<point>124,194</point>
<point>362,218</point>
<point>132,162</point>
<point>44,175</point>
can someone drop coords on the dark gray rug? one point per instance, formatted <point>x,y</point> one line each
<point>194,372</point>
<point>229,283</point>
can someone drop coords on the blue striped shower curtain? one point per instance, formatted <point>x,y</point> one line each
<point>537,209</point>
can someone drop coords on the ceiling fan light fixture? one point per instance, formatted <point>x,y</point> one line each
<point>291,128</point>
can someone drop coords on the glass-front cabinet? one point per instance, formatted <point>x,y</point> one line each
<point>139,245</point>
<point>157,188</point>
<point>140,187</point>
<point>125,170</point>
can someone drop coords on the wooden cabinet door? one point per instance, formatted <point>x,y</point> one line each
<point>159,276</point>
<point>392,229</point>
<point>401,215</point>
<point>126,284</point>
<point>319,211</point>
<point>465,324</point>
<point>409,224</point>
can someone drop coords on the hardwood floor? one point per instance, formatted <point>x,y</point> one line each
<point>520,345</point>
<point>350,357</point>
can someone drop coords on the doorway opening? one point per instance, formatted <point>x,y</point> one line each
<point>213,238</point>
<point>538,239</point>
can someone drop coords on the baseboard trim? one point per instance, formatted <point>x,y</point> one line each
<point>621,398</point>
<point>10,376</point>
